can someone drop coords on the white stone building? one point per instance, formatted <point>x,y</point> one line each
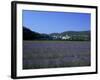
<point>66,37</point>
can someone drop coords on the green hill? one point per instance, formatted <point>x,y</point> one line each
<point>66,35</point>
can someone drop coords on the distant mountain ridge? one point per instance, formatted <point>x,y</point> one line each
<point>72,33</point>
<point>66,35</point>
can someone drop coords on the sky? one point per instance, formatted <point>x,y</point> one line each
<point>55,22</point>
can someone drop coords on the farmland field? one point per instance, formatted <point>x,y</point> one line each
<point>54,54</point>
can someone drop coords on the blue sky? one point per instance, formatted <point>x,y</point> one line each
<point>51,22</point>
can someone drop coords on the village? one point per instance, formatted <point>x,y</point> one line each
<point>66,37</point>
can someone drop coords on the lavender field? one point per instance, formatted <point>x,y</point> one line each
<point>55,54</point>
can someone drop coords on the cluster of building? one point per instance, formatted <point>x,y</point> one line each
<point>66,37</point>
